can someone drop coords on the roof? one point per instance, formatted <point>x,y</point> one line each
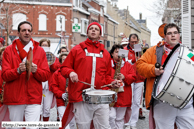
<point>142,26</point>
<point>86,4</point>
<point>131,19</point>
<point>110,18</point>
<point>141,21</point>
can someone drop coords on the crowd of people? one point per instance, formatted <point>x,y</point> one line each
<point>87,67</point>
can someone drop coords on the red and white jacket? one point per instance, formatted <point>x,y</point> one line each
<point>17,89</point>
<point>125,98</point>
<point>58,85</point>
<point>131,56</point>
<point>81,64</point>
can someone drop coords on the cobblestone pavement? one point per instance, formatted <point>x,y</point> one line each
<point>141,124</point>
<point>144,124</point>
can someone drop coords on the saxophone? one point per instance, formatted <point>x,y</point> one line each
<point>117,70</point>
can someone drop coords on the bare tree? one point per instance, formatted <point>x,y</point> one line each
<point>6,18</point>
<point>169,10</point>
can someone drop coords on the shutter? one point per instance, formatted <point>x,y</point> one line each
<point>186,22</point>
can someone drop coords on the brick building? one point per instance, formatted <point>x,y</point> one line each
<point>86,12</point>
<point>45,17</point>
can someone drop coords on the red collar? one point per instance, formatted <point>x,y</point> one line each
<point>89,42</point>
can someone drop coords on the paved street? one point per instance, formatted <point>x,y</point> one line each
<point>142,124</point>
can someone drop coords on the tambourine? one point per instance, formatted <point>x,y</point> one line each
<point>50,58</point>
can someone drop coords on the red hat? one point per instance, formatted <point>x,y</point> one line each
<point>1,40</point>
<point>95,23</point>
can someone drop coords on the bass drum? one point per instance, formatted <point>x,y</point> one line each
<point>176,85</point>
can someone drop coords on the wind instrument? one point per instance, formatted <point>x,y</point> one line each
<point>122,54</point>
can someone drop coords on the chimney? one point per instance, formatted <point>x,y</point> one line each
<point>140,16</point>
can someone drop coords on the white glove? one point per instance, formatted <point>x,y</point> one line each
<point>65,96</point>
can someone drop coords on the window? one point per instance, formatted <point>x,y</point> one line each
<point>75,20</point>
<point>102,33</point>
<point>42,22</point>
<point>17,18</point>
<point>108,44</point>
<point>84,25</point>
<point>101,11</point>
<point>60,23</point>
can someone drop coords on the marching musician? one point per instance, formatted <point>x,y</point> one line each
<point>88,62</point>
<point>62,49</point>
<point>164,115</point>
<point>60,90</point>
<point>137,86</point>
<point>24,97</point>
<point>47,97</point>
<point>127,75</point>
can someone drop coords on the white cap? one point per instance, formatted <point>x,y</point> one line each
<point>124,41</point>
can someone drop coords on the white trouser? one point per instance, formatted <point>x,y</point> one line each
<point>46,102</point>
<point>116,117</point>
<point>137,92</point>
<point>31,113</point>
<point>165,116</point>
<point>85,113</point>
<point>72,124</point>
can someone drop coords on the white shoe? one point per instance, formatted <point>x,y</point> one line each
<point>133,127</point>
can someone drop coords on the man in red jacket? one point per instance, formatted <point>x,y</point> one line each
<point>137,86</point>
<point>89,62</point>
<point>59,86</point>
<point>24,97</point>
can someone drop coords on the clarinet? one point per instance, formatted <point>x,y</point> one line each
<point>117,70</point>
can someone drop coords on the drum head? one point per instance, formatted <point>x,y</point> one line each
<point>100,92</point>
<point>167,72</point>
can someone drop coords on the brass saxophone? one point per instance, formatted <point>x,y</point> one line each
<point>117,70</point>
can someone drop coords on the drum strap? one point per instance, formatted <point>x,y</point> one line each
<point>93,55</point>
<point>159,53</point>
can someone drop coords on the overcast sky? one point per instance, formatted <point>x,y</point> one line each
<point>146,8</point>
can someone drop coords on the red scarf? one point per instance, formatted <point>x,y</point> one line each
<point>20,46</point>
<point>166,44</point>
<point>90,42</point>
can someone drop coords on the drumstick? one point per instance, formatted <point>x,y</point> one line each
<point>106,85</point>
<point>86,83</point>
